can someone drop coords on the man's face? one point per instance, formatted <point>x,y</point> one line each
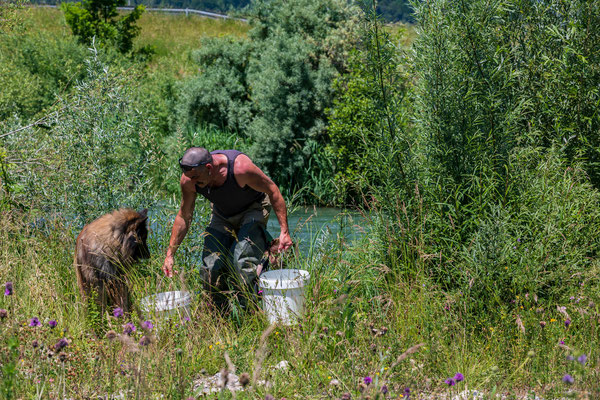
<point>199,176</point>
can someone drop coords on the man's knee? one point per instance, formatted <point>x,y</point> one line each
<point>248,251</point>
<point>215,257</point>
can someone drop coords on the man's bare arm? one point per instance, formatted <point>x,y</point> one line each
<point>181,225</point>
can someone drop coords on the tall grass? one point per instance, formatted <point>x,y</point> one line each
<point>361,316</point>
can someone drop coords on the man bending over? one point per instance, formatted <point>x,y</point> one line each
<point>241,197</point>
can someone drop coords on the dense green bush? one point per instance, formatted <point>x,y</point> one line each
<point>368,132</point>
<point>274,89</point>
<point>34,69</point>
<point>542,241</point>
<point>291,89</point>
<point>493,76</point>
<point>11,19</point>
<point>502,204</point>
<point>95,20</point>
<point>220,94</point>
<point>94,157</point>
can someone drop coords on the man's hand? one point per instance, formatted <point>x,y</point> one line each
<point>285,242</point>
<point>168,266</point>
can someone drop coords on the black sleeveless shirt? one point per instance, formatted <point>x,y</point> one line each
<point>230,199</point>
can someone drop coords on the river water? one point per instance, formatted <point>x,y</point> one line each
<point>311,228</point>
<point>314,226</point>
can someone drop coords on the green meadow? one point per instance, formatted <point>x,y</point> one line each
<point>467,143</point>
<point>172,36</point>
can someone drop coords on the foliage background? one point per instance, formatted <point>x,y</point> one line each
<point>472,154</point>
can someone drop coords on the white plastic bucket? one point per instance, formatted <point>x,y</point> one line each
<point>283,294</point>
<point>167,304</point>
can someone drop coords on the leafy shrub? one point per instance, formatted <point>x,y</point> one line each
<point>502,204</point>
<point>274,88</point>
<point>95,156</point>
<point>10,18</point>
<point>220,94</point>
<point>96,19</point>
<point>368,129</point>
<point>34,69</point>
<point>291,90</point>
<point>494,76</point>
<point>541,242</point>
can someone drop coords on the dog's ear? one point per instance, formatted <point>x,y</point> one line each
<point>143,215</point>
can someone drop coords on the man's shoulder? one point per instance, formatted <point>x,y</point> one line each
<point>243,164</point>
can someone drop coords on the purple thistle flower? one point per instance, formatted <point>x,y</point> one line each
<point>562,342</point>
<point>582,359</point>
<point>147,325</point>
<point>459,377</point>
<point>567,322</point>
<point>8,288</point>
<point>450,382</point>
<point>61,344</point>
<point>368,380</point>
<point>34,322</point>
<point>570,358</point>
<point>128,328</point>
<point>568,379</point>
<point>3,313</point>
<point>118,312</point>
<point>52,323</point>
<point>384,389</point>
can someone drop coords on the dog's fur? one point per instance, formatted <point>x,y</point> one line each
<point>105,248</point>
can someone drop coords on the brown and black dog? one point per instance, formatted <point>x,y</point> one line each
<point>105,248</point>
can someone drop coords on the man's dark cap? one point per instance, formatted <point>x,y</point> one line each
<point>196,156</point>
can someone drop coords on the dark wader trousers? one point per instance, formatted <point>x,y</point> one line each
<point>233,248</point>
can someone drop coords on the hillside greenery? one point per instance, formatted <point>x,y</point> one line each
<point>470,149</point>
<point>389,10</point>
